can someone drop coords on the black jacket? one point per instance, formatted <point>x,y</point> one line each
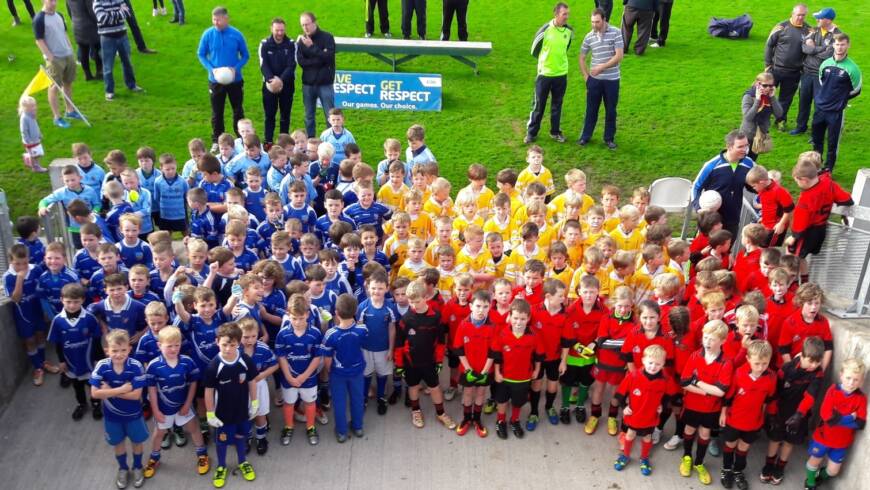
<point>278,59</point>
<point>84,21</point>
<point>783,48</point>
<point>318,60</point>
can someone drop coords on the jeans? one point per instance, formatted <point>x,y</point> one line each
<point>271,104</point>
<point>218,94</point>
<point>344,388</point>
<point>544,86</point>
<point>810,84</point>
<point>108,47</point>
<point>787,81</point>
<point>596,91</point>
<point>178,6</point>
<point>310,94</point>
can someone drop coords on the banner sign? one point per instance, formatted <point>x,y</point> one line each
<point>385,91</point>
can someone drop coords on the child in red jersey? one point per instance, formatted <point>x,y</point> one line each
<point>743,409</point>
<point>455,312</point>
<point>533,279</point>
<point>648,333</point>
<point>819,193</point>
<point>578,357</point>
<point>759,279</point>
<point>708,222</point>
<point>747,262</point>
<point>780,305</point>
<point>643,393</point>
<point>728,285</point>
<point>739,338</point>
<point>502,292</point>
<point>666,291</point>
<point>610,370</point>
<point>806,323</point>
<point>713,303</point>
<point>472,343</point>
<point>777,205</point>
<point>844,410</point>
<point>517,354</point>
<point>706,378</point>
<point>685,343</point>
<point>548,319</point>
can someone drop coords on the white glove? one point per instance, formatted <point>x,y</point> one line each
<point>213,420</point>
<point>253,407</point>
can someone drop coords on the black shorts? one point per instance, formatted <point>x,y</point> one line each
<point>730,434</point>
<point>170,225</point>
<point>640,431</point>
<point>427,374</point>
<point>708,420</point>
<point>516,392</point>
<point>811,242</point>
<point>774,240</point>
<point>675,401</point>
<point>550,369</point>
<point>578,375</point>
<point>200,391</point>
<point>777,433</point>
<point>452,360</point>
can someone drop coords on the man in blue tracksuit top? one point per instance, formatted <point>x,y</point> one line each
<point>223,46</point>
<point>726,174</point>
<point>278,65</point>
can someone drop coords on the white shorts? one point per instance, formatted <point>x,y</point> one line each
<point>176,419</point>
<point>263,397</point>
<point>376,362</point>
<point>308,395</point>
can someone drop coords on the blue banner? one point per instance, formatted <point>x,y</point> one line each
<point>385,91</point>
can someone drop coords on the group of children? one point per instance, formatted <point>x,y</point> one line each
<point>294,269</point>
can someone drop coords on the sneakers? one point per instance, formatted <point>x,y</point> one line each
<point>220,477</point>
<point>654,44</point>
<point>656,436</point>
<point>446,421</point>
<point>740,480</point>
<point>620,463</point>
<point>726,478</point>
<point>532,423</point>
<point>565,415</point>
<point>703,474</point>
<point>612,426</point>
<point>686,467</point>
<point>79,412</point>
<point>553,416</point>
<point>321,417</point>
<point>358,433</point>
<point>247,471</point>
<point>501,429</point>
<point>714,449</point>
<point>777,475</point>
<point>97,411</point>
<point>388,35</point>
<point>123,478</point>
<point>582,142</point>
<point>63,123</point>
<point>162,10</point>
<point>368,35</point>
<point>178,437</point>
<point>529,139</point>
<point>202,464</point>
<point>580,414</point>
<point>450,393</point>
<point>463,427</point>
<point>138,477</point>
<point>645,467</point>
<point>591,425</point>
<point>480,429</point>
<point>286,436</point>
<point>517,429</point>
<point>75,115</point>
<point>807,486</point>
<point>154,12</point>
<point>797,131</point>
<point>673,443</point>
<point>109,96</point>
<point>313,438</point>
<point>610,145</point>
<point>341,438</point>
<point>262,446</point>
<point>766,473</point>
<point>558,137</point>
<point>394,397</point>
<point>150,468</point>
<point>417,419</point>
<point>166,443</point>
<point>489,406</point>
<point>382,406</point>
<point>38,377</point>
<point>137,89</point>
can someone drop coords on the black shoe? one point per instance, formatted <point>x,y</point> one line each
<point>79,412</point>
<point>529,139</point>
<point>148,51</point>
<point>166,443</point>
<point>517,429</point>
<point>740,480</point>
<point>407,400</point>
<point>610,145</point>
<point>807,486</point>
<point>565,415</point>
<point>580,415</point>
<point>777,475</point>
<point>501,429</point>
<point>262,446</point>
<point>394,396</point>
<point>582,142</point>
<point>559,137</point>
<point>382,406</point>
<point>174,21</point>
<point>726,478</point>
<point>65,382</point>
<point>97,411</point>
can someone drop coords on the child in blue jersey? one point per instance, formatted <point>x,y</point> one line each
<point>74,333</point>
<point>323,171</point>
<point>280,245</point>
<point>156,318</point>
<point>92,174</point>
<point>19,283</point>
<point>298,173</point>
<point>334,204</point>
<point>146,157</point>
<point>226,150</point>
<point>337,135</point>
<point>273,222</point>
<point>72,189</point>
<point>134,250</point>
<point>236,235</point>
<point>298,208</point>
<point>274,300</point>
<point>197,256</point>
<point>86,262</point>
<point>118,207</point>
<point>203,222</point>
<point>245,301</point>
<point>214,183</point>
<point>172,379</point>
<point>27,228</point>
<point>266,365</point>
<point>140,198</point>
<point>81,215</point>
<point>352,266</point>
<point>344,360</point>
<point>417,152</point>
<point>119,380</point>
<point>169,196</point>
<point>379,315</point>
<point>231,400</point>
<point>164,257</point>
<point>298,349</point>
<point>138,279</point>
<point>277,169</point>
<point>109,259</point>
<point>392,152</point>
<point>222,273</point>
<point>334,280</point>
<point>119,311</point>
<point>322,299</point>
<point>370,253</point>
<point>366,211</point>
<point>190,171</point>
<point>54,278</point>
<point>252,156</point>
<point>309,248</point>
<point>255,193</point>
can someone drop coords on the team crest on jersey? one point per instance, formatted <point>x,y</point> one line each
<point>242,378</point>
<point>139,256</point>
<point>741,392</point>
<point>412,331</point>
<point>222,437</point>
<point>796,338</point>
<point>636,392</point>
<point>466,339</point>
<point>636,349</point>
<point>452,318</point>
<point>539,325</point>
<point>507,348</point>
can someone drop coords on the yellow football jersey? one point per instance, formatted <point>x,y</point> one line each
<point>395,245</point>
<point>429,255</point>
<point>545,177</point>
<point>479,263</point>
<point>461,222</point>
<point>519,257</point>
<point>422,227</point>
<point>632,241</point>
<point>565,275</point>
<point>574,287</point>
<point>394,198</point>
<point>500,267</point>
<point>436,209</point>
<point>445,283</point>
<point>493,225</point>
<point>558,203</point>
<point>483,197</point>
<point>412,270</point>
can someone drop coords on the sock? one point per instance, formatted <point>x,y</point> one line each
<point>415,404</point>
<point>40,352</point>
<point>261,432</point>
<point>626,446</point>
<point>310,412</point>
<point>549,399</point>
<point>201,451</point>
<point>515,414</point>
<point>79,388</point>
<point>137,461</point>
<point>382,387</point>
<point>155,455</point>
<point>122,461</point>
<point>727,458</point>
<point>701,450</point>
<point>367,385</point>
<point>612,411</point>
<point>439,409</point>
<point>823,475</point>
<point>780,464</point>
<point>535,399</point>
<point>645,448</point>
<point>566,396</point>
<point>287,410</point>
<point>466,413</point>
<point>241,449</point>
<point>688,442</point>
<point>582,395</point>
<point>740,460</point>
<point>33,356</point>
<point>500,417</point>
<point>770,461</point>
<point>596,410</point>
<point>811,476</point>
<point>221,449</point>
<point>680,426</point>
<point>476,415</point>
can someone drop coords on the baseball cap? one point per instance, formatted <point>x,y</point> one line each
<point>825,13</point>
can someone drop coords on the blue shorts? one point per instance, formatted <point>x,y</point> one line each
<point>135,430</point>
<point>819,450</point>
<point>229,432</point>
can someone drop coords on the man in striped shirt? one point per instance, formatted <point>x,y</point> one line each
<point>605,44</point>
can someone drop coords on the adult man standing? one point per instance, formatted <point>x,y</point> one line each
<point>451,8</point>
<point>640,13</point>
<point>49,28</point>
<point>223,46</point>
<point>315,53</point>
<point>112,27</point>
<point>726,174</point>
<point>840,81</point>
<point>278,65</point>
<point>784,57</point>
<point>602,80</point>
<point>606,6</point>
<point>661,25</point>
<point>818,47</point>
<point>550,47</point>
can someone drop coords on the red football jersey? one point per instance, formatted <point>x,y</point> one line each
<point>534,296</point>
<point>836,400</point>
<point>644,394</point>
<point>814,204</point>
<point>683,349</point>
<point>611,336</point>
<point>758,281</point>
<point>795,330</point>
<point>637,341</point>
<point>517,355</point>
<point>734,350</point>
<point>453,314</point>
<point>548,327</point>
<point>474,342</point>
<point>746,398</point>
<point>777,312</point>
<point>498,319</point>
<point>581,326</point>
<point>744,266</point>
<point>775,201</point>
<point>718,373</point>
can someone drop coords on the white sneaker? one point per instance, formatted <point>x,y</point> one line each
<point>654,44</point>
<point>656,436</point>
<point>450,393</point>
<point>673,443</point>
<point>154,12</point>
<point>162,10</point>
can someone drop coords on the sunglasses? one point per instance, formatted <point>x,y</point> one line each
<point>767,85</point>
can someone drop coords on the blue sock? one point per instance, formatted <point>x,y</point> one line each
<point>202,451</point>
<point>367,385</point>
<point>40,351</point>
<point>34,359</point>
<point>137,461</point>
<point>221,450</point>
<point>261,432</point>
<point>382,386</point>
<point>122,461</point>
<point>155,455</point>
<point>241,449</point>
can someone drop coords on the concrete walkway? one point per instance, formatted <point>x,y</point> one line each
<point>42,448</point>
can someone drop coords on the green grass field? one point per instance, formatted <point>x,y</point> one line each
<point>675,105</point>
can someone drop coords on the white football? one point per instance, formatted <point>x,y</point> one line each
<point>710,200</point>
<point>223,75</point>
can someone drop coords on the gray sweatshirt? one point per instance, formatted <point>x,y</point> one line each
<point>30,133</point>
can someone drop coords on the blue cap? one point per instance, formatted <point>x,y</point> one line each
<point>825,13</point>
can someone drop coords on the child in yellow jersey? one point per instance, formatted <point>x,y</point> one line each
<point>610,204</point>
<point>654,215</point>
<point>500,222</point>
<point>571,207</point>
<point>474,259</point>
<point>446,270</point>
<point>652,262</point>
<point>624,273</point>
<point>500,258</point>
<point>393,193</point>
<point>559,269</point>
<point>467,206</point>
<point>607,245</point>
<point>396,245</point>
<point>535,192</point>
<point>594,226</point>
<point>535,172</point>
<point>626,234</point>
<point>422,225</point>
<point>679,253</point>
<point>506,182</point>
<point>572,237</point>
<point>443,234</point>
<point>478,190</point>
<point>414,263</point>
<point>528,250</point>
<point>640,199</point>
<point>419,183</point>
<point>575,181</point>
<point>439,203</point>
<point>592,266</point>
<point>546,232</point>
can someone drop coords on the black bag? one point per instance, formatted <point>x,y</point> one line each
<point>730,28</point>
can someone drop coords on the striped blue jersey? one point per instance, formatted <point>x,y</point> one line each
<point>76,337</point>
<point>117,409</point>
<point>172,382</point>
<point>299,351</point>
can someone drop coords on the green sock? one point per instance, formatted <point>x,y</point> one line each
<point>811,476</point>
<point>582,395</point>
<point>566,396</point>
<point>823,475</point>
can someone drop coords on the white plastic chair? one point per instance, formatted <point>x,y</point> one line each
<point>674,195</point>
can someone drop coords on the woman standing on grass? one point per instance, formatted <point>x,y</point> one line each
<point>759,103</point>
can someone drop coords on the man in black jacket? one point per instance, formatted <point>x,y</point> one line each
<point>278,65</point>
<point>315,53</point>
<point>784,57</point>
<point>817,47</point>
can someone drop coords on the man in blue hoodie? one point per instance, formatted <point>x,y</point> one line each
<point>223,46</point>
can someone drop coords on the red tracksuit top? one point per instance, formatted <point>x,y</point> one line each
<point>517,356</point>
<point>549,329</point>
<point>746,398</point>
<point>718,373</point>
<point>836,400</point>
<point>814,204</point>
<point>474,342</point>
<point>644,394</point>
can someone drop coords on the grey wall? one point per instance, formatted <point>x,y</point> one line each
<point>13,360</point>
